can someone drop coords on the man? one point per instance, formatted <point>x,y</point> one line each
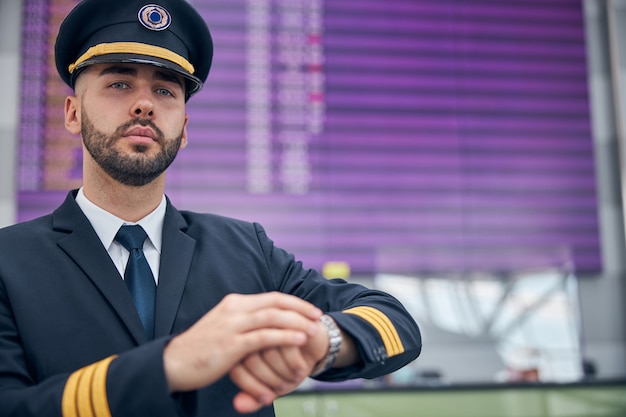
<point>204,316</point>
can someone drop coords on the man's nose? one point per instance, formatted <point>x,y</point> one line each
<point>143,106</point>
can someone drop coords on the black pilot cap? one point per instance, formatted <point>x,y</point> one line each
<point>171,35</point>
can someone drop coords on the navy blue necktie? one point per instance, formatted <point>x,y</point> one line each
<point>138,276</point>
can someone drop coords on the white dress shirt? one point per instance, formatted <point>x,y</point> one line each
<point>107,225</point>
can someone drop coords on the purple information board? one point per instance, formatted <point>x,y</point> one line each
<point>395,136</point>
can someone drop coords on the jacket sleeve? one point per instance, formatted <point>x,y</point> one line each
<point>113,386</point>
<point>385,334</point>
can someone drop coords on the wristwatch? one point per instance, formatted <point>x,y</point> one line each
<point>334,345</point>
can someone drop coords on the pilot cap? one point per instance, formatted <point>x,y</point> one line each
<point>169,34</point>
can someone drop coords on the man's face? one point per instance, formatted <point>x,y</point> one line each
<point>132,120</point>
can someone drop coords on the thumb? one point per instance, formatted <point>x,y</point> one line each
<point>245,403</point>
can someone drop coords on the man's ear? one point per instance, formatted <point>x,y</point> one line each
<point>72,115</point>
<point>183,142</point>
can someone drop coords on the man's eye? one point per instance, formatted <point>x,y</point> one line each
<point>164,92</point>
<point>119,84</point>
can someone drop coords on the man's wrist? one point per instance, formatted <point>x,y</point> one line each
<point>334,346</point>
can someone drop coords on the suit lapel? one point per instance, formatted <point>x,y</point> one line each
<point>176,255</point>
<point>82,244</point>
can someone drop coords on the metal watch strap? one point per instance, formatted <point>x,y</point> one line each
<point>334,345</point>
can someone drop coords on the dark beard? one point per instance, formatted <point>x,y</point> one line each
<point>134,170</point>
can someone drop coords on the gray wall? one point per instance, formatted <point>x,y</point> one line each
<point>10,23</point>
<point>603,309</point>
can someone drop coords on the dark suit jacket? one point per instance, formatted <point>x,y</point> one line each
<point>63,306</point>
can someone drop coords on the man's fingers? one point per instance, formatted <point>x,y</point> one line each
<point>245,403</point>
<point>259,393</point>
<point>287,362</point>
<point>277,368</point>
<point>252,302</point>
<point>272,317</point>
<point>262,377</point>
<point>263,371</point>
<point>193,362</point>
<point>267,338</point>
<point>243,313</point>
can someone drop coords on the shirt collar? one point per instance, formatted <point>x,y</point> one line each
<point>106,224</point>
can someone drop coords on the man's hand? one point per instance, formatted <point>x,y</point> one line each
<point>237,327</point>
<point>264,376</point>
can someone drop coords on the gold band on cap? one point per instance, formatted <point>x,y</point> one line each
<point>132,48</point>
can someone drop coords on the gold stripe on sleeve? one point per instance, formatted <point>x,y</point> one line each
<point>384,326</point>
<point>99,389</point>
<point>380,325</point>
<point>68,401</point>
<point>83,394</point>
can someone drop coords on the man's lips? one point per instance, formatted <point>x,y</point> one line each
<point>140,134</point>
